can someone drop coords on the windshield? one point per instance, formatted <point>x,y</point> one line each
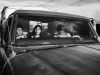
<point>49,30</point>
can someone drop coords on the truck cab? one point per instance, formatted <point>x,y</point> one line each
<point>33,41</point>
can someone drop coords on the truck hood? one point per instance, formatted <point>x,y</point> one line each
<point>67,60</point>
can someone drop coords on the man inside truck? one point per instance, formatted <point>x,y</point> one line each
<point>20,33</point>
<point>61,32</point>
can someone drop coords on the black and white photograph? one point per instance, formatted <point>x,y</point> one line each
<point>49,37</point>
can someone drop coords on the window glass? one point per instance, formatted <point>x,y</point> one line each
<point>37,27</point>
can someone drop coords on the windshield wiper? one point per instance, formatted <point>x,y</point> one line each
<point>85,41</point>
<point>20,50</point>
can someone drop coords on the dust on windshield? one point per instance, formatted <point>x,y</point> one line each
<point>37,27</point>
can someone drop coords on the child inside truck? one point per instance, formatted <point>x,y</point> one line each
<point>20,33</point>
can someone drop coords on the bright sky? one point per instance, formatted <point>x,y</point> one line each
<point>89,8</point>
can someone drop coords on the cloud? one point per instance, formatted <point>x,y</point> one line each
<point>68,2</point>
<point>22,0</point>
<point>84,2</point>
<point>28,0</point>
<point>89,8</point>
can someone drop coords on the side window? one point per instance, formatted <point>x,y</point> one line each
<point>10,27</point>
<point>0,32</point>
<point>9,22</point>
<point>98,29</point>
<point>7,30</point>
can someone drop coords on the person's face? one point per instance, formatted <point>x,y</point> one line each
<point>61,32</point>
<point>38,30</point>
<point>19,31</point>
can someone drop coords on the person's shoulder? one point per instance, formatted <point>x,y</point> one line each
<point>25,33</point>
<point>76,36</point>
<point>67,34</point>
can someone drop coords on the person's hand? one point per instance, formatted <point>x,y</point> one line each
<point>78,37</point>
<point>22,36</point>
<point>65,35</point>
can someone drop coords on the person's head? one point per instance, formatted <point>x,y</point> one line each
<point>60,28</point>
<point>19,30</point>
<point>71,28</point>
<point>37,30</point>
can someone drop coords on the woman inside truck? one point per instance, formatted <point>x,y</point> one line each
<point>36,31</point>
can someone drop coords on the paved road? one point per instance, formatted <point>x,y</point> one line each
<point>78,60</point>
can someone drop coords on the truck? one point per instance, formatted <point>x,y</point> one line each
<point>6,11</point>
<point>45,42</point>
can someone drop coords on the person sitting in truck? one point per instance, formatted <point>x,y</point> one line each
<point>36,31</point>
<point>20,33</point>
<point>61,32</point>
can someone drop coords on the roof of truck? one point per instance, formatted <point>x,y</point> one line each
<point>25,8</point>
<point>50,14</point>
<point>40,11</point>
<point>9,10</point>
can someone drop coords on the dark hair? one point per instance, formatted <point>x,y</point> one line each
<point>19,26</point>
<point>33,32</point>
<point>59,27</point>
